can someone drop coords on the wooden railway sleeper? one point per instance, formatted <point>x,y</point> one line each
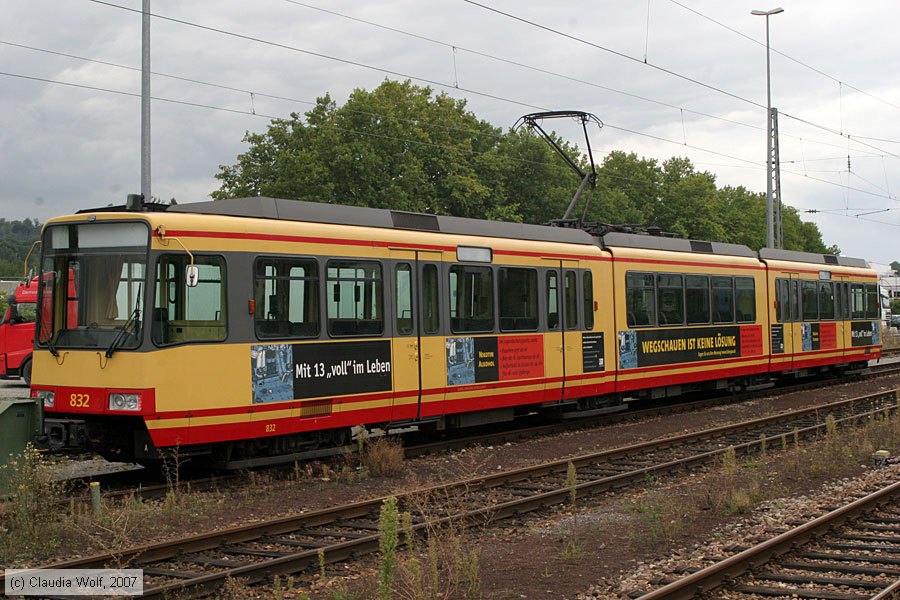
<point>782,592</point>
<point>862,547</point>
<point>884,539</point>
<point>868,558</point>
<point>243,551</point>
<point>170,573</point>
<point>884,520</point>
<point>295,543</point>
<point>805,579</point>
<point>876,528</point>
<point>208,561</point>
<point>839,568</point>
<point>332,533</point>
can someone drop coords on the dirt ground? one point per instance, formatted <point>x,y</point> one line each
<point>558,554</point>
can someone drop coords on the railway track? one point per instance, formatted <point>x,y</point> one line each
<point>148,488</point>
<point>850,553</point>
<point>291,545</point>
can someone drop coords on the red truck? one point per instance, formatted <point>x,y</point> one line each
<point>17,332</point>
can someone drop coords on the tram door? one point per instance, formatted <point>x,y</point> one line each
<point>417,348</point>
<point>561,319</point>
<point>793,330</point>
<point>842,312</point>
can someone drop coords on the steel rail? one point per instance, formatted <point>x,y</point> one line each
<point>715,575</point>
<point>364,543</point>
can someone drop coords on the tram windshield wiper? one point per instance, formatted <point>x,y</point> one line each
<point>134,320</point>
<point>51,345</point>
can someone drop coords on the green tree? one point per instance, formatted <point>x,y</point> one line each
<point>16,239</point>
<point>400,146</point>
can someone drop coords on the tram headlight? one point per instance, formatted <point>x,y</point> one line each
<point>130,402</point>
<point>46,396</point>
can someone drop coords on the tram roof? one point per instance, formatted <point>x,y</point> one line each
<point>338,214</point>
<point>812,257</point>
<point>617,239</point>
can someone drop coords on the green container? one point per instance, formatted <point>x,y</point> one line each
<point>21,421</point>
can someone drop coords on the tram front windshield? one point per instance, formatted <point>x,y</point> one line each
<point>92,285</point>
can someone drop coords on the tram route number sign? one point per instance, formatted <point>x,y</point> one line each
<point>297,371</point>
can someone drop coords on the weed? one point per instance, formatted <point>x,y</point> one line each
<point>388,530</point>
<point>383,457</point>
<point>28,525</point>
<point>572,483</point>
<point>659,519</point>
<point>729,462</point>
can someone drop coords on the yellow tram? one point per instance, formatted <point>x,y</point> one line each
<point>255,330</point>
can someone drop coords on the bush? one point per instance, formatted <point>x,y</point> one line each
<point>383,457</point>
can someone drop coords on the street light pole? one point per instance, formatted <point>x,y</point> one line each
<point>770,201</point>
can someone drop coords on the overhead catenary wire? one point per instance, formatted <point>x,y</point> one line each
<point>667,71</point>
<point>787,56</point>
<point>426,80</point>
<point>502,99</point>
<point>418,142</point>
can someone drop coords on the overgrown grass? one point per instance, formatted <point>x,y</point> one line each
<point>29,524</point>
<point>742,483</point>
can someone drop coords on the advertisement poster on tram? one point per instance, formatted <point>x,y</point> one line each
<point>314,370</point>
<point>655,347</point>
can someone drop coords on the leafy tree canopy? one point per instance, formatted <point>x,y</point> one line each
<point>16,239</point>
<point>400,146</point>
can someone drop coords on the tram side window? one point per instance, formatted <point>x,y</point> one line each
<point>588,281</point>
<point>640,299</point>
<point>697,299</point>
<point>355,298</point>
<point>286,292</point>
<point>552,300</point>
<point>670,299</point>
<point>872,298</point>
<point>403,298</point>
<point>431,319</point>
<point>781,300</point>
<point>745,299</point>
<point>857,301</point>
<point>826,300</point>
<point>517,289</point>
<point>809,300</point>
<point>841,300</point>
<point>722,299</point>
<point>571,299</point>
<point>471,299</point>
<point>189,314</point>
<point>795,299</point>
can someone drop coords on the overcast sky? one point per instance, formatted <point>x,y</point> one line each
<point>667,78</point>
